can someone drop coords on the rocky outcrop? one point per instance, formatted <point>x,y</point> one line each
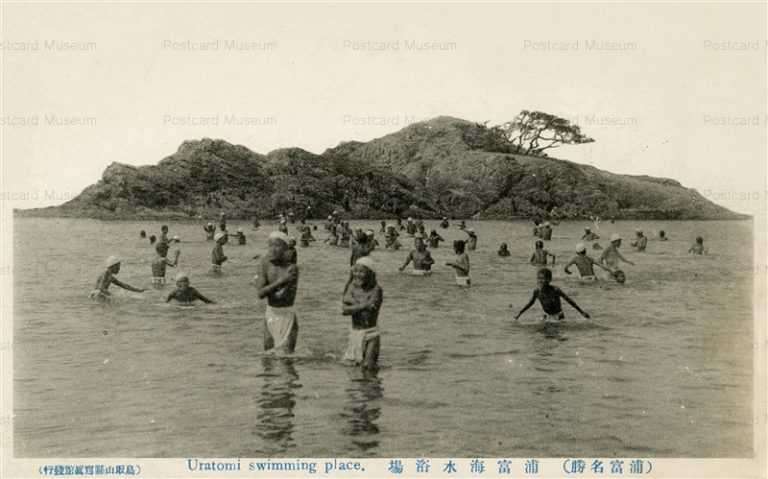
<point>445,166</point>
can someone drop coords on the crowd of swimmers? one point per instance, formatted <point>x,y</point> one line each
<point>276,280</point>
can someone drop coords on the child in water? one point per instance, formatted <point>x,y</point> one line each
<point>184,293</point>
<point>291,255</point>
<point>503,250</point>
<point>611,255</point>
<point>434,239</point>
<point>549,297</point>
<point>663,236</point>
<point>461,264</point>
<point>164,234</point>
<point>584,264</point>
<point>143,234</point>
<point>422,259</point>
<point>152,239</point>
<point>540,255</point>
<point>333,236</point>
<point>362,300</point>
<point>698,247</point>
<point>159,264</point>
<point>107,278</point>
<point>641,242</point>
<point>217,254</point>
<point>471,240</point>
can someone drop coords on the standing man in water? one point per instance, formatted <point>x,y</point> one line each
<point>277,281</point>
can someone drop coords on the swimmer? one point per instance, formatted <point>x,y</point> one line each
<point>143,234</point>
<point>346,234</point>
<point>434,239</point>
<point>277,281</point>
<point>383,228</point>
<point>589,235</point>
<point>217,254</point>
<point>444,223</point>
<point>640,241</point>
<point>584,264</point>
<point>698,247</point>
<point>390,238</point>
<point>462,224</point>
<point>159,264</point>
<point>164,234</point>
<point>240,236</point>
<point>545,231</point>
<point>410,227</point>
<point>101,292</point>
<point>362,300</point>
<point>291,255</point>
<point>549,297</point>
<point>663,236</point>
<point>503,250</point>
<point>283,227</point>
<point>471,240</point>
<point>184,293</point>
<point>540,255</point>
<point>256,223</point>
<point>362,246</point>
<point>210,231</point>
<point>422,259</point>
<point>611,255</point>
<point>461,264</point>
<point>152,239</point>
<point>306,236</point>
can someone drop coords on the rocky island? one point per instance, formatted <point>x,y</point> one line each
<point>441,167</point>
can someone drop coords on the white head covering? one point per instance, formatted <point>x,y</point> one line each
<point>580,248</point>
<point>113,260</point>
<point>369,232</point>
<point>180,276</point>
<point>279,235</point>
<point>176,237</point>
<point>367,262</point>
<point>615,237</point>
<point>239,230</point>
<point>470,230</point>
<point>218,236</point>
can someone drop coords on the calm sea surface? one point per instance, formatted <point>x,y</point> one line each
<point>664,368</point>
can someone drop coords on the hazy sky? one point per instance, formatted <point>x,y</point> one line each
<point>673,91</point>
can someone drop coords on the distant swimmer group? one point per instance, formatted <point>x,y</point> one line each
<point>277,274</point>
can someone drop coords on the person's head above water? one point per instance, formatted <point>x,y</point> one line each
<point>616,239</point>
<point>164,228</point>
<point>418,240</point>
<point>503,246</point>
<point>662,233</point>
<point>143,234</point>
<point>182,281</point>
<point>152,239</point>
<point>700,240</point>
<point>459,246</point>
<point>587,229</point>
<point>639,232</point>
<point>113,264</point>
<point>544,277</point>
<point>277,243</point>
<point>364,272</point>
<point>581,249</point>
<point>539,244</point>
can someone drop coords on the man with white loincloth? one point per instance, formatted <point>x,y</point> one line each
<point>277,281</point>
<point>362,300</point>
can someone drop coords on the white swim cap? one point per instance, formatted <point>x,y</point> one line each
<point>367,262</point>
<point>113,260</point>
<point>278,235</point>
<point>615,237</point>
<point>580,248</point>
<point>369,233</point>
<point>239,230</point>
<point>180,276</point>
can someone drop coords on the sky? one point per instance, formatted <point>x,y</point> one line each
<point>674,91</point>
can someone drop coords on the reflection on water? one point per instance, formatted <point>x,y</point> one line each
<point>274,421</point>
<point>363,409</point>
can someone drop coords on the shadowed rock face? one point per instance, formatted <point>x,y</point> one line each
<point>445,166</point>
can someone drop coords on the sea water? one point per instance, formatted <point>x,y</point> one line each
<point>664,367</point>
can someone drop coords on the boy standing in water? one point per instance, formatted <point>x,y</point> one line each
<point>362,300</point>
<point>390,239</point>
<point>434,239</point>
<point>549,297</point>
<point>640,241</point>
<point>589,235</point>
<point>164,234</point>
<point>217,254</point>
<point>159,264</point>
<point>611,255</point>
<point>444,223</point>
<point>698,247</point>
<point>422,259</point>
<point>540,255</point>
<point>240,237</point>
<point>210,231</point>
<point>277,281</point>
<point>101,293</point>
<point>471,240</point>
<point>584,264</point>
<point>461,264</point>
<point>184,293</point>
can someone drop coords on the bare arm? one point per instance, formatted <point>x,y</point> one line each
<point>600,266</point>
<point>265,289</point>
<point>202,298</point>
<point>407,261</point>
<point>570,263</point>
<point>117,282</point>
<point>530,303</point>
<point>570,301</point>
<point>349,306</point>
<point>623,258</point>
